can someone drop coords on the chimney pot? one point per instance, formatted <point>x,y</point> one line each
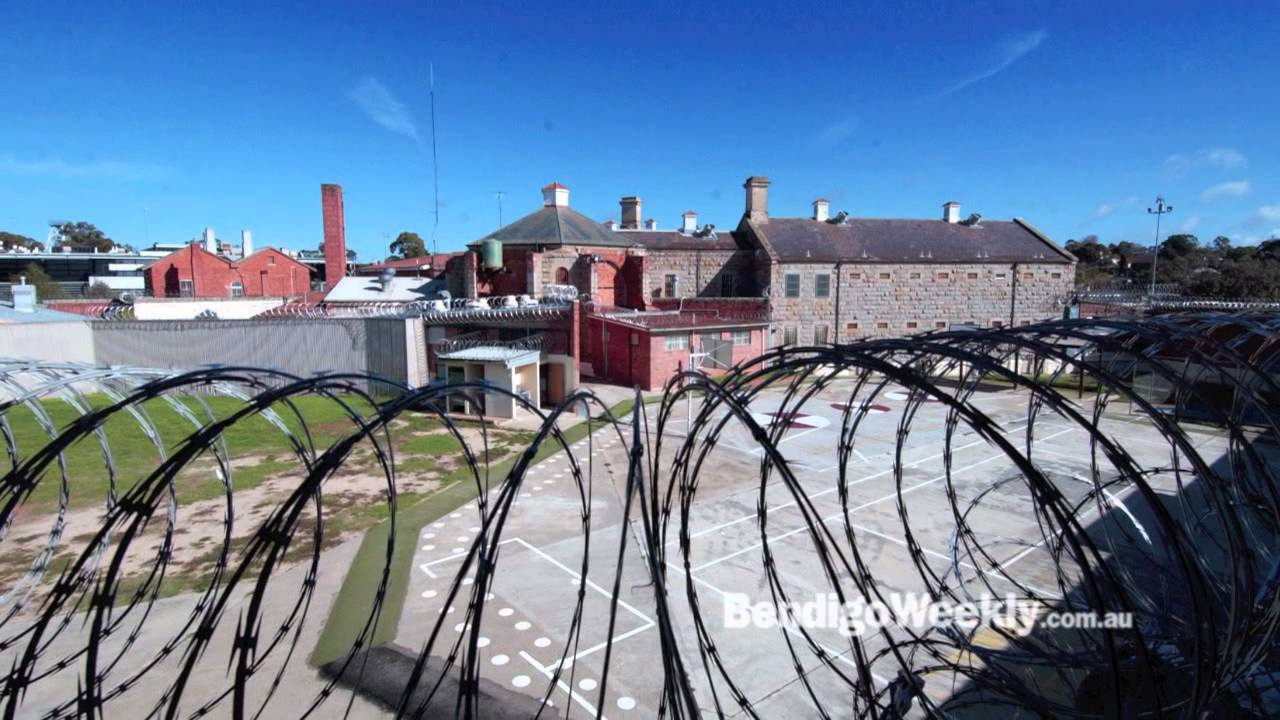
<point>951,211</point>
<point>757,187</point>
<point>631,206</point>
<point>610,224</point>
<point>688,222</point>
<point>821,210</point>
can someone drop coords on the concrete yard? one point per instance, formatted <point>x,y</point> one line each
<point>546,549</point>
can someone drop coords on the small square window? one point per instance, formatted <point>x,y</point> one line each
<point>855,276</point>
<point>973,276</point>
<point>884,276</point>
<point>271,259</point>
<point>791,285</point>
<point>912,325</point>
<point>1028,276</point>
<point>851,327</point>
<point>1056,276</point>
<point>675,342</point>
<point>1000,275</point>
<point>741,337</point>
<point>635,339</point>
<point>822,285</point>
<point>186,288</point>
<point>882,325</point>
<point>944,275</point>
<point>940,324</point>
<point>997,323</point>
<point>915,276</point>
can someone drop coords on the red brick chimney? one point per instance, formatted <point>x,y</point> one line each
<point>335,235</point>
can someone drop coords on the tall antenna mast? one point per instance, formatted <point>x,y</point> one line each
<point>435,165</point>
<point>498,194</point>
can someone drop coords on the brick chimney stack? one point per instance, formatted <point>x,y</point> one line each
<point>757,198</point>
<point>335,235</point>
<point>630,212</point>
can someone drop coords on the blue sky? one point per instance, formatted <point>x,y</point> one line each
<point>232,115</point>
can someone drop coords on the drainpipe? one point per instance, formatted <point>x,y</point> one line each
<point>1013,296</point>
<point>835,325</point>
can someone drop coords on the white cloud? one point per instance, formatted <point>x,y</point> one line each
<point>382,107</point>
<point>1265,214</point>
<point>1008,52</point>
<point>1108,208</point>
<point>1179,164</point>
<point>836,132</point>
<point>1235,188</point>
<point>1190,224</point>
<point>57,167</point>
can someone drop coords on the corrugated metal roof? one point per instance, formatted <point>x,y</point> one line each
<point>40,315</point>
<point>488,353</point>
<point>399,289</point>
<point>553,226</point>
<point>805,239</point>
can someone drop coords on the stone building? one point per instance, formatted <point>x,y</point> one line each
<point>655,301</point>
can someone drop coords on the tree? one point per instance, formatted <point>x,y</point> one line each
<point>408,245</point>
<point>1089,251</point>
<point>1222,244</point>
<point>99,290</point>
<point>46,287</point>
<point>85,235</point>
<point>9,241</point>
<point>1179,245</point>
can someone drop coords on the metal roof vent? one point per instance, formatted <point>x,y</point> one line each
<point>706,231</point>
<point>384,278</point>
<point>972,221</point>
<point>839,218</point>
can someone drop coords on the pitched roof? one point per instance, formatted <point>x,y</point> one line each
<point>439,260</point>
<point>554,226</point>
<point>871,240</point>
<point>676,240</point>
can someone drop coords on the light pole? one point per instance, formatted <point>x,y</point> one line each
<point>1160,209</point>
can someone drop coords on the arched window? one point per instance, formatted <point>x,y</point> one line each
<point>237,289</point>
<point>562,276</point>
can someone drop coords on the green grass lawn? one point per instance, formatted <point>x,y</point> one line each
<point>351,608</point>
<point>134,455</point>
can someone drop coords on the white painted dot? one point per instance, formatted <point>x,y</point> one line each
<point>455,515</point>
<point>468,581</point>
<point>455,551</point>
<point>450,610</point>
<point>488,596</point>
<point>459,627</point>
<point>547,482</point>
<point>526,494</point>
<point>587,684</point>
<point>536,488</point>
<point>437,524</point>
<point>482,642</point>
<point>463,538</point>
<point>626,703</point>
<point>520,680</point>
<point>499,659</point>
<point>428,536</point>
<point>506,612</point>
<point>428,548</point>
<point>523,625</point>
<point>542,642</point>
<point>475,529</point>
<point>429,593</point>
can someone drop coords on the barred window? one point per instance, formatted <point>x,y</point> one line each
<point>822,285</point>
<point>789,336</point>
<point>741,337</point>
<point>675,342</point>
<point>820,333</point>
<point>791,285</point>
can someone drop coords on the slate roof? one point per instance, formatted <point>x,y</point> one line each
<point>676,240</point>
<point>872,240</point>
<point>554,226</point>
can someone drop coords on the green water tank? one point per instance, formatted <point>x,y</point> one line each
<point>491,254</point>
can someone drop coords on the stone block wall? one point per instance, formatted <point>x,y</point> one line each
<point>701,273</point>
<point>894,299</point>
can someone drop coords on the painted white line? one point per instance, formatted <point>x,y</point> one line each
<point>869,503</point>
<point>561,684</point>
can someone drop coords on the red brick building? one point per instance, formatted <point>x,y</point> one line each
<point>196,272</point>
